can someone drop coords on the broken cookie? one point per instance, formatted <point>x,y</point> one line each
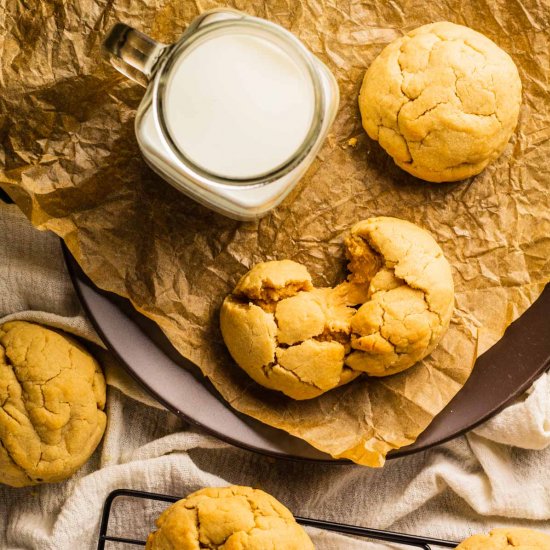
<point>410,299</point>
<point>390,313</point>
<point>52,395</point>
<point>228,517</point>
<point>443,101</point>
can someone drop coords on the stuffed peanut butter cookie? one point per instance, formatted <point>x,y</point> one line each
<point>391,312</point>
<point>52,395</point>
<point>232,518</point>
<point>508,539</point>
<point>443,101</point>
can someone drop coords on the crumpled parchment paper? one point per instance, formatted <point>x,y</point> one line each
<point>70,160</point>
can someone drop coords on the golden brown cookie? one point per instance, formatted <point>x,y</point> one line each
<point>52,395</point>
<point>443,101</point>
<point>390,313</point>
<point>232,518</point>
<point>508,539</point>
<point>411,297</point>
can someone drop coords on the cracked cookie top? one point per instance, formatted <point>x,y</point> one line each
<point>390,313</point>
<point>508,539</point>
<point>233,518</point>
<point>443,101</point>
<point>52,395</point>
<point>410,299</point>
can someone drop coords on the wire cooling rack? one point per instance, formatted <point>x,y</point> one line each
<point>374,534</point>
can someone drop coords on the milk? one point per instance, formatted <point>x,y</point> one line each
<point>238,106</point>
<point>238,97</point>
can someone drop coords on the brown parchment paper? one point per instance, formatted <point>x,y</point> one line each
<point>70,161</point>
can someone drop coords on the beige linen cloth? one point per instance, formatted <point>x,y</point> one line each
<point>498,475</point>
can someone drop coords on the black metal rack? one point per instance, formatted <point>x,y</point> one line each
<point>374,534</point>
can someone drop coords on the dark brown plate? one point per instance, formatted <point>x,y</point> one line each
<point>500,375</point>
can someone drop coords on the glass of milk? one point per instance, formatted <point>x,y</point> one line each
<point>234,112</point>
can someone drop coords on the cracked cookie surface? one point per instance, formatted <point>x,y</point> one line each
<point>443,101</point>
<point>52,395</point>
<point>390,313</point>
<point>232,518</point>
<point>508,539</point>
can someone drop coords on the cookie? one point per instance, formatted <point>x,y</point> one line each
<point>239,518</point>
<point>52,395</point>
<point>508,539</point>
<point>443,101</point>
<point>391,312</point>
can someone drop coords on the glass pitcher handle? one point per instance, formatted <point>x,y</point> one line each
<point>132,53</point>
